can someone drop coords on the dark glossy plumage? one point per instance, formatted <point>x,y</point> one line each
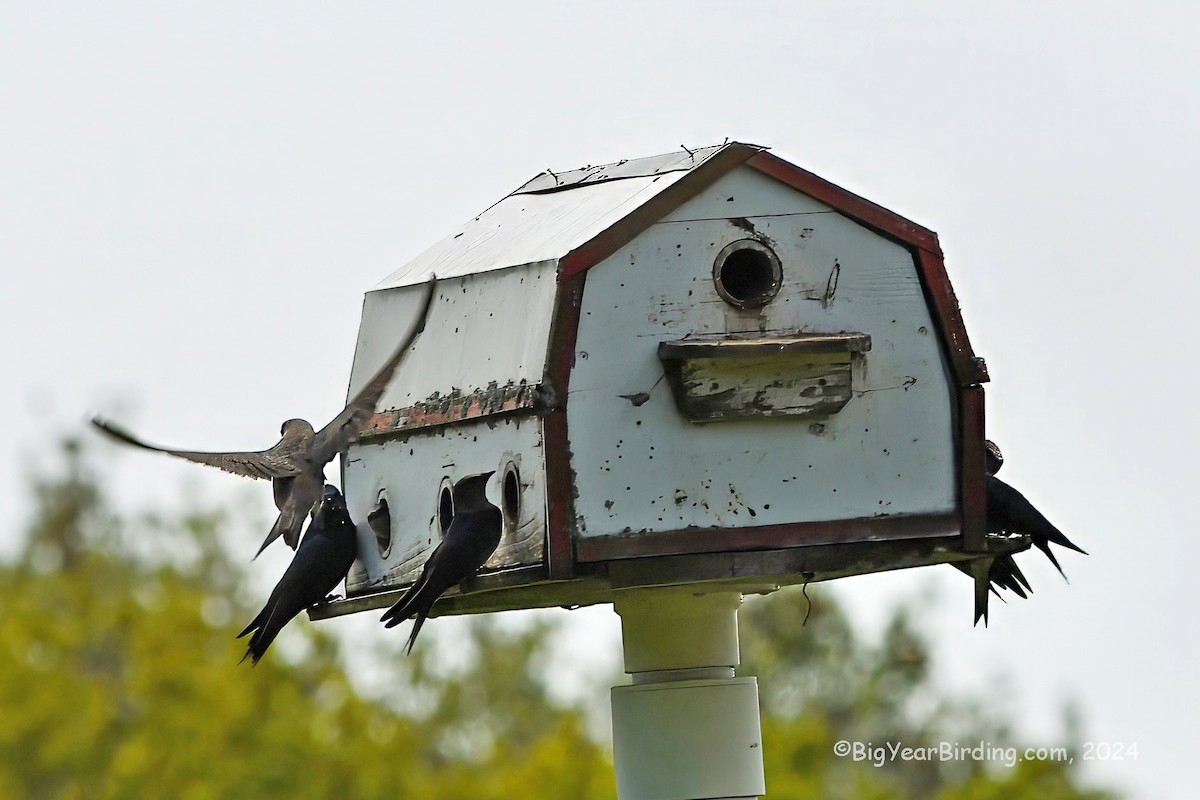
<point>472,537</point>
<point>1009,513</point>
<point>295,465</point>
<point>320,564</point>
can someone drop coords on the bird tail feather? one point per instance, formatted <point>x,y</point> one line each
<point>254,624</point>
<point>403,608</point>
<point>262,638</point>
<point>286,526</point>
<point>412,637</point>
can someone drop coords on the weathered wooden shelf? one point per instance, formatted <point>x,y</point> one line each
<point>743,346</point>
<point>739,376</point>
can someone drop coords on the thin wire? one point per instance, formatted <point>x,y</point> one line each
<point>804,591</point>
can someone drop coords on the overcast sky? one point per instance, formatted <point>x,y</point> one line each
<point>194,197</point>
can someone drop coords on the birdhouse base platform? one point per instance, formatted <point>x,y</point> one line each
<point>749,572</point>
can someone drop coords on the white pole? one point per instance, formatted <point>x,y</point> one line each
<point>686,729</point>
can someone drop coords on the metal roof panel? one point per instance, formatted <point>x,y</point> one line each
<point>525,228</point>
<point>681,160</point>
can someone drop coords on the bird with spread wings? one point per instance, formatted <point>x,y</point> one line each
<point>295,465</point>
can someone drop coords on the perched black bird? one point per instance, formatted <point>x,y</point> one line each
<point>322,561</point>
<point>473,536</point>
<point>1009,513</point>
<point>295,465</point>
<point>993,459</point>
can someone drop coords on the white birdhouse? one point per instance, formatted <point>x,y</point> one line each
<point>709,366</point>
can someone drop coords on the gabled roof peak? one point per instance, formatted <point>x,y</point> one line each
<point>681,160</point>
<point>576,218</point>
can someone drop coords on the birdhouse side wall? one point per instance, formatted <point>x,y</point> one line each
<point>640,466</point>
<point>409,471</point>
<point>484,331</point>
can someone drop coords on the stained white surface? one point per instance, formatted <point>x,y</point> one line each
<point>196,196</point>
<point>412,471</point>
<point>491,327</point>
<point>888,452</point>
<point>525,228</point>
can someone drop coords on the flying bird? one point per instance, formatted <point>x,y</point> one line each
<point>320,564</point>
<point>295,465</point>
<point>472,537</point>
<point>1009,513</point>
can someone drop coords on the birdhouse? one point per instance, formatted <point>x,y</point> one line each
<point>710,366</point>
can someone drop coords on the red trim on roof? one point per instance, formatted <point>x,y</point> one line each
<point>968,369</point>
<point>846,202</point>
<point>924,242</point>
<point>921,240</point>
<point>621,233</point>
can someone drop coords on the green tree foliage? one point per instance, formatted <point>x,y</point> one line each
<point>119,678</point>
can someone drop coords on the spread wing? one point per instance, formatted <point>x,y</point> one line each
<point>277,462</point>
<point>338,434</point>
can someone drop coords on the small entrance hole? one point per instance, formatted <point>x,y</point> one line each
<point>747,274</point>
<point>510,500</point>
<point>379,520</point>
<point>445,509</point>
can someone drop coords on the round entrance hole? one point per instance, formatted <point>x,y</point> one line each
<point>510,498</point>
<point>747,274</point>
<point>445,507</point>
<point>379,520</point>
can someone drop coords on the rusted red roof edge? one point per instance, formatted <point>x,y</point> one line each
<point>611,239</point>
<point>858,208</point>
<point>968,370</point>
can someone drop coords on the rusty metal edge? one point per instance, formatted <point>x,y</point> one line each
<point>764,537</point>
<point>972,490</point>
<point>793,565</point>
<point>846,202</point>
<point>560,478</point>
<point>968,369</point>
<point>437,412</point>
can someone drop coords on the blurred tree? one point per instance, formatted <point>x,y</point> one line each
<point>119,678</point>
<point>821,684</point>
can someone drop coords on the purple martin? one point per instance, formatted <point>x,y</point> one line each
<point>472,537</point>
<point>325,555</point>
<point>295,465</point>
<point>1009,513</point>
